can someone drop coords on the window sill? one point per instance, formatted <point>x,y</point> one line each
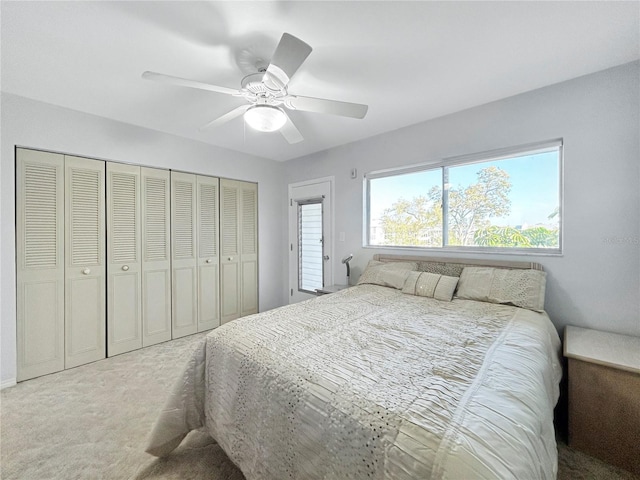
<point>537,252</point>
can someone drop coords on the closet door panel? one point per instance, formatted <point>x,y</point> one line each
<point>249,287</point>
<point>183,249</point>
<point>249,254</point>
<point>208,255</point>
<point>124,307</point>
<point>156,256</point>
<point>230,249</point>
<point>229,291</point>
<point>85,285</point>
<point>39,263</point>
<point>156,306</point>
<point>185,292</point>
<point>85,329</point>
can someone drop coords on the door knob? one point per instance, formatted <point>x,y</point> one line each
<point>209,260</point>
<point>230,258</point>
<point>125,267</point>
<point>86,271</point>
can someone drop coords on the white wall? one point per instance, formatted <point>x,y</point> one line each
<point>33,124</point>
<point>596,282</point>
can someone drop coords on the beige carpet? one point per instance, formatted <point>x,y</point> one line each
<point>92,422</point>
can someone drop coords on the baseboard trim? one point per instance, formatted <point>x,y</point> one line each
<point>7,383</point>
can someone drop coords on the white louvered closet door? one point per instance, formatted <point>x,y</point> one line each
<point>85,272</point>
<point>230,249</point>
<point>208,255</point>
<point>124,269</point>
<point>184,279</point>
<point>39,263</point>
<point>249,246</point>
<point>156,256</point>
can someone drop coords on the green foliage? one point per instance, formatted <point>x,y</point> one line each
<point>413,222</point>
<point>494,236</point>
<point>542,236</point>
<point>470,208</point>
<point>419,221</point>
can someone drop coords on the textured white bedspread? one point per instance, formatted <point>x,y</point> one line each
<point>373,383</point>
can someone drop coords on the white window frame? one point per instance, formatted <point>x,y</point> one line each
<point>493,155</point>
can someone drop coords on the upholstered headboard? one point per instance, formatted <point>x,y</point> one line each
<point>453,266</point>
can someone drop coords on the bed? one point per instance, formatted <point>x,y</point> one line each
<point>383,381</point>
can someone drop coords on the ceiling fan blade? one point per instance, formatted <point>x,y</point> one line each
<point>290,53</point>
<point>290,132</point>
<point>321,105</point>
<point>236,112</point>
<point>183,82</point>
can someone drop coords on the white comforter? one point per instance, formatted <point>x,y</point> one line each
<point>373,383</point>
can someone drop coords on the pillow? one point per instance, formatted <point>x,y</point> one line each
<point>522,288</point>
<point>387,274</point>
<point>432,285</point>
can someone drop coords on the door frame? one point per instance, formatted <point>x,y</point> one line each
<point>293,232</point>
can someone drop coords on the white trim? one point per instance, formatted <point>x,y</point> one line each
<point>8,383</point>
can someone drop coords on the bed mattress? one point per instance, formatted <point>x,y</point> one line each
<point>372,383</point>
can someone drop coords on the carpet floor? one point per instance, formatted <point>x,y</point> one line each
<point>92,422</point>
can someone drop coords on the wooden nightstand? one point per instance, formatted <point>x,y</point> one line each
<point>604,395</point>
<point>331,289</point>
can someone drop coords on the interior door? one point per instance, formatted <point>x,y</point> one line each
<point>85,272</point>
<point>156,256</point>
<point>124,270</point>
<point>310,238</point>
<point>39,263</point>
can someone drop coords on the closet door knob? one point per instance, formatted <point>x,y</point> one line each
<point>230,258</point>
<point>86,271</point>
<point>209,260</point>
<point>125,267</point>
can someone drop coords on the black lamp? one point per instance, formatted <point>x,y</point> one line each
<point>346,261</point>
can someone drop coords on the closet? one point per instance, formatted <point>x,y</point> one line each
<point>113,257</point>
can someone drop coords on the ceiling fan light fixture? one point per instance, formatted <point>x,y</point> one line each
<point>265,118</point>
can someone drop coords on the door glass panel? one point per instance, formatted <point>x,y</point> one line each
<point>310,248</point>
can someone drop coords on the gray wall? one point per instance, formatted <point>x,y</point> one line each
<point>596,282</point>
<point>33,124</point>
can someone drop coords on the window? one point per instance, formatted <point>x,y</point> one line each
<point>310,248</point>
<point>505,201</point>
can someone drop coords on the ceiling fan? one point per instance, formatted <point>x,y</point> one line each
<point>266,93</point>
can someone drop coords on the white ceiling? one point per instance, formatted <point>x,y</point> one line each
<point>409,61</point>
